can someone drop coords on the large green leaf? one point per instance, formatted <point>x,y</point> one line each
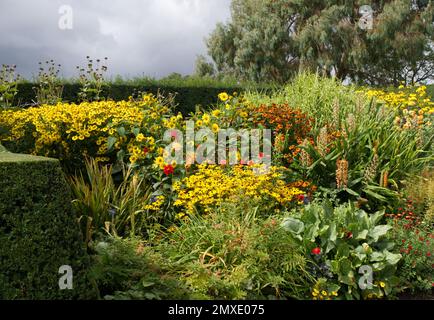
<point>379,231</point>
<point>293,225</point>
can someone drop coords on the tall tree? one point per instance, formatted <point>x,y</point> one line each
<point>269,40</point>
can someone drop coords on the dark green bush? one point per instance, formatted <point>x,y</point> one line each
<point>38,232</point>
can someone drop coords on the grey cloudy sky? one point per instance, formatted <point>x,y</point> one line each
<point>150,37</point>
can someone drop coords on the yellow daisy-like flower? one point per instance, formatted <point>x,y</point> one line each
<point>382,284</point>
<point>223,96</point>
<point>159,161</point>
<point>199,123</point>
<point>216,113</point>
<point>324,293</point>
<point>215,128</point>
<point>206,118</point>
<point>140,137</point>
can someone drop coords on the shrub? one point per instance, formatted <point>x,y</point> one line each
<point>213,185</point>
<point>416,243</point>
<point>116,208</point>
<point>341,240</point>
<point>127,269</point>
<point>187,96</point>
<point>233,254</point>
<point>38,231</point>
<point>71,132</point>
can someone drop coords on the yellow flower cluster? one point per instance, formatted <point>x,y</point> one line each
<point>65,129</point>
<point>323,294</point>
<point>155,204</point>
<point>212,185</point>
<point>409,98</point>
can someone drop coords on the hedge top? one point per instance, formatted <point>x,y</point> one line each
<point>14,157</point>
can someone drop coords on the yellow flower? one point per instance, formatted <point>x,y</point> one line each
<point>223,96</point>
<point>206,118</point>
<point>216,113</point>
<point>215,128</point>
<point>159,161</point>
<point>324,293</point>
<point>199,123</point>
<point>382,284</point>
<point>140,137</point>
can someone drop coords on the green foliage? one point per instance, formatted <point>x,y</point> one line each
<point>103,205</point>
<point>38,232</point>
<point>127,269</point>
<point>257,44</point>
<point>49,87</point>
<point>380,155</point>
<point>272,39</point>
<point>91,80</point>
<point>348,238</point>
<point>8,85</point>
<point>416,242</point>
<point>186,95</point>
<point>231,254</point>
<point>315,95</point>
<point>203,68</point>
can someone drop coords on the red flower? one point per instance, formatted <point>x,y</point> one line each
<point>145,150</point>
<point>349,235</point>
<point>300,197</point>
<point>316,251</point>
<point>428,254</point>
<point>168,170</point>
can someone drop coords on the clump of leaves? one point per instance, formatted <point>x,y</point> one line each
<point>91,79</point>
<point>8,85</point>
<point>49,87</point>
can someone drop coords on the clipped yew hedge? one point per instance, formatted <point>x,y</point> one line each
<point>186,97</point>
<point>38,232</point>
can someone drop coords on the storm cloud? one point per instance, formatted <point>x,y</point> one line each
<point>140,37</point>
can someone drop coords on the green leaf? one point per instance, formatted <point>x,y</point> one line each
<point>111,142</point>
<point>136,131</point>
<point>392,258</point>
<point>293,225</point>
<point>379,231</point>
<point>361,235</point>
<point>121,131</point>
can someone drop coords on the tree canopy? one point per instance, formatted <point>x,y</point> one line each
<point>270,40</point>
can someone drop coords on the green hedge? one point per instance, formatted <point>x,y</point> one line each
<point>38,232</point>
<point>186,97</point>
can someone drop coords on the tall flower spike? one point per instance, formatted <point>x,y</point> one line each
<point>336,115</point>
<point>305,159</point>
<point>341,174</point>
<point>371,170</point>
<point>322,141</point>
